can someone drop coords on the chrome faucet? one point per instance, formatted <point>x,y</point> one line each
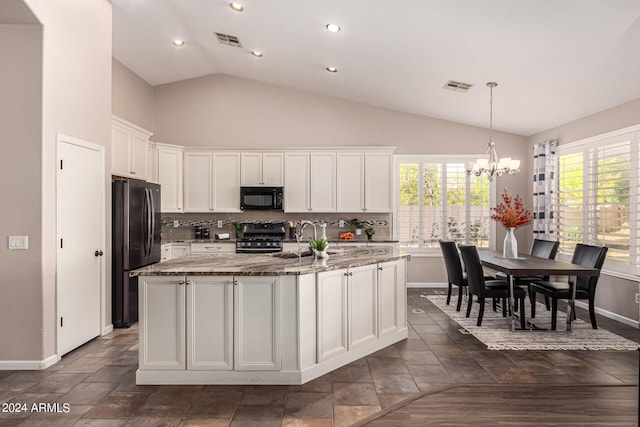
<point>304,223</point>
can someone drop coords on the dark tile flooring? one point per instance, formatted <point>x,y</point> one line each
<point>435,368</point>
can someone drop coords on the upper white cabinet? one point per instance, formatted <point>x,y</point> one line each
<point>377,182</point>
<point>350,182</point>
<point>296,185</point>
<point>310,182</point>
<point>129,149</point>
<point>364,182</point>
<point>170,177</point>
<point>262,169</point>
<point>322,192</point>
<point>211,181</point>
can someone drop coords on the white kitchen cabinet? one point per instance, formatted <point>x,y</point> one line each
<point>129,149</point>
<point>211,182</point>
<point>332,314</point>
<point>392,298</point>
<point>209,323</point>
<point>322,193</point>
<point>226,178</point>
<point>262,169</point>
<point>362,307</point>
<point>296,186</point>
<point>213,248</point>
<point>257,323</point>
<point>152,162</point>
<point>198,181</point>
<point>378,182</point>
<point>174,250</point>
<point>350,182</point>
<point>170,177</point>
<point>162,323</point>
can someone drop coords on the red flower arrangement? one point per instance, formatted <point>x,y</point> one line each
<point>511,213</point>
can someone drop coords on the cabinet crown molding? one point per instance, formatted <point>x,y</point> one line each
<point>121,121</point>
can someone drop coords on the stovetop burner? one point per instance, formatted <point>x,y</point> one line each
<point>261,238</point>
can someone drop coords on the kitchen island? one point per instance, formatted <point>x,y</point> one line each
<point>267,319</point>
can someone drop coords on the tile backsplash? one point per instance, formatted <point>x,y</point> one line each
<point>381,223</point>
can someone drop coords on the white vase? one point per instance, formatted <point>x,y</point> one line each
<point>510,246</point>
<point>322,254</point>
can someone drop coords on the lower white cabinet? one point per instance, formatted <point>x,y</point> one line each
<point>209,322</point>
<point>257,323</point>
<point>162,323</point>
<point>212,248</point>
<point>332,314</point>
<point>192,323</point>
<point>362,301</point>
<point>392,298</point>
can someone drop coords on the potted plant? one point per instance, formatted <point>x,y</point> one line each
<point>319,247</point>
<point>237,226</point>
<point>355,223</point>
<point>369,231</point>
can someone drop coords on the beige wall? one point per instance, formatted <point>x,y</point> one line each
<point>614,294</point>
<point>21,175</point>
<point>131,97</point>
<point>75,65</point>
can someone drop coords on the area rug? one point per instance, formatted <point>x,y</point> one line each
<point>495,332</point>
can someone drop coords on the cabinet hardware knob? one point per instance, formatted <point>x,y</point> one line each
<point>235,282</point>
<point>132,172</point>
<point>181,282</point>
<point>379,268</point>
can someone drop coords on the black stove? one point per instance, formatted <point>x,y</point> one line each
<point>261,238</point>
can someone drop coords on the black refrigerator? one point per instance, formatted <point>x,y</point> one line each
<point>135,243</point>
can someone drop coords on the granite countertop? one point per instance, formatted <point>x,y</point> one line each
<point>233,240</point>
<point>279,263</point>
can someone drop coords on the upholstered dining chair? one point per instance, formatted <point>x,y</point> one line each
<point>586,256</point>
<point>541,249</point>
<point>455,273</point>
<point>486,289</point>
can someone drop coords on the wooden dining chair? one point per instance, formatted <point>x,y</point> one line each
<point>486,289</point>
<point>586,256</point>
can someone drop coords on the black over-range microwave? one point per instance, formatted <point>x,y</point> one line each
<point>261,198</point>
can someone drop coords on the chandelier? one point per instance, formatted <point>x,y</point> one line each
<point>490,164</point>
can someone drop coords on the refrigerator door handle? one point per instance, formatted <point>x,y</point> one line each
<point>152,222</point>
<point>146,225</point>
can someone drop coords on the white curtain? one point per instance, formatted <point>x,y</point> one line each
<point>544,181</point>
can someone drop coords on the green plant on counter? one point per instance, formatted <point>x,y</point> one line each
<point>237,226</point>
<point>369,231</point>
<point>355,223</point>
<point>319,245</point>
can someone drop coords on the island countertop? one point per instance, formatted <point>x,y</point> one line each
<point>273,264</point>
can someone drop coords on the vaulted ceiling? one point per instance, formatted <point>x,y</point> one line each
<point>554,60</point>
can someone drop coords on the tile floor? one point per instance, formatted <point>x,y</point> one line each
<point>97,381</point>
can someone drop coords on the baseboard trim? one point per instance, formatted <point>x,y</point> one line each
<point>108,329</point>
<point>28,365</point>
<point>610,315</point>
<point>415,285</point>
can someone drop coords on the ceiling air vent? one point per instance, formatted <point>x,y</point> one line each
<point>228,40</point>
<point>457,86</point>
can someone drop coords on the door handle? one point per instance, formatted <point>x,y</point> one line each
<point>98,253</point>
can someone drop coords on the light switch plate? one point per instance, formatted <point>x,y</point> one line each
<point>19,242</point>
<point>176,223</point>
<point>341,223</point>
<point>219,224</point>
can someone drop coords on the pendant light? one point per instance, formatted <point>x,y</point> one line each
<point>490,164</point>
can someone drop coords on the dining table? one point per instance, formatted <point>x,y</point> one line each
<point>529,265</point>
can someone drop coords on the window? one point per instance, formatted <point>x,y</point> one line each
<point>598,197</point>
<point>437,200</point>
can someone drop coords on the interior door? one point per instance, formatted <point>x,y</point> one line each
<point>80,210</point>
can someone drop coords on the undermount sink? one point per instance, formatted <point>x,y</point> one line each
<point>292,254</point>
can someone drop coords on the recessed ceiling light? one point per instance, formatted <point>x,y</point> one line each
<point>332,69</point>
<point>334,28</point>
<point>236,6</point>
<point>178,43</point>
<point>256,53</point>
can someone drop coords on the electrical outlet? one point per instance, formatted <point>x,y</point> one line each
<point>637,298</point>
<point>176,223</point>
<point>341,224</point>
<point>219,224</point>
